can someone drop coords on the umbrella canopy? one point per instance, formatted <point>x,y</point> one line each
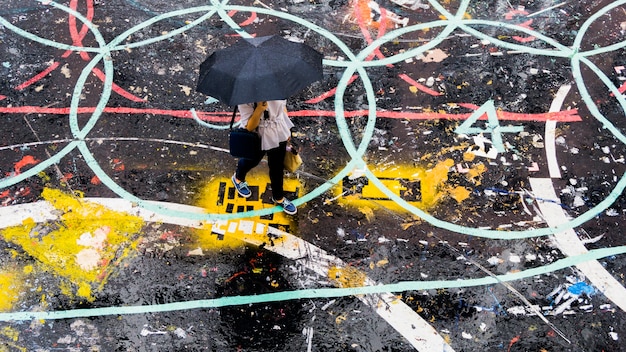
<point>259,69</point>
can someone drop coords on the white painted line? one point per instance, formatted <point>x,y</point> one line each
<point>550,145</point>
<point>421,335</point>
<point>14,215</point>
<point>120,204</point>
<point>569,244</point>
<point>401,317</point>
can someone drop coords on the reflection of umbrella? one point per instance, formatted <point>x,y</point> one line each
<point>259,69</point>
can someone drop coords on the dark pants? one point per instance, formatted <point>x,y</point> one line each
<point>275,162</point>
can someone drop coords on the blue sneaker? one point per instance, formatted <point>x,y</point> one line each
<point>287,205</point>
<point>241,187</point>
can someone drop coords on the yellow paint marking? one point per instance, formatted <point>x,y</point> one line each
<point>459,193</point>
<point>10,333</point>
<point>467,156</point>
<point>82,245</point>
<point>347,276</point>
<point>420,187</point>
<point>10,287</point>
<point>368,212</point>
<point>8,339</point>
<point>219,196</point>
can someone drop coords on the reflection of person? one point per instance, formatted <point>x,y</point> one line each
<point>274,127</point>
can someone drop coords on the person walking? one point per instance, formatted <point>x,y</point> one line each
<point>271,121</point>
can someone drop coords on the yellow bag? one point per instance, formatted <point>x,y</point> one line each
<point>292,160</point>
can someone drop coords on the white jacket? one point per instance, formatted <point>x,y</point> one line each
<point>275,129</point>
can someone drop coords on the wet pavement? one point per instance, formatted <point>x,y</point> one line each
<point>461,189</point>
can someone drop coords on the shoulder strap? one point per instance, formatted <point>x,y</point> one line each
<point>233,118</point>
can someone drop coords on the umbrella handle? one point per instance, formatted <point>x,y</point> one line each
<point>233,118</point>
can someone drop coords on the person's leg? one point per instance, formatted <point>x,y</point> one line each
<point>275,162</point>
<point>244,166</point>
<point>239,178</point>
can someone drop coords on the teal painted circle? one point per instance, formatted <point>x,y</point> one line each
<point>354,64</point>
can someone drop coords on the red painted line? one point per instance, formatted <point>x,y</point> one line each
<point>469,106</point>
<point>38,77</point>
<point>329,93</point>
<point>249,21</point>
<point>560,116</point>
<point>224,116</point>
<point>381,31</point>
<point>511,14</point>
<point>417,85</point>
<point>77,40</point>
<point>368,37</point>
<point>525,39</point>
<point>366,32</point>
<point>2,97</point>
<point>77,37</point>
<point>117,89</point>
<point>95,180</point>
<point>205,116</point>
<point>570,115</point>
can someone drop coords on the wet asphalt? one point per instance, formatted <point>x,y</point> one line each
<point>462,185</point>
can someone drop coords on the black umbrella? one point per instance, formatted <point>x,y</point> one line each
<point>259,69</point>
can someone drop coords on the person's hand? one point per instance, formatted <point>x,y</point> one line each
<point>262,105</point>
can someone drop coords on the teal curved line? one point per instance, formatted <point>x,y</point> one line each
<point>354,163</point>
<point>33,171</point>
<point>391,35</point>
<point>9,181</point>
<point>579,220</point>
<point>495,234</point>
<point>6,182</point>
<point>80,83</point>
<point>156,19</point>
<point>312,26</point>
<point>612,47</point>
<point>44,41</point>
<point>222,7</point>
<point>315,293</point>
<point>105,179</point>
<point>109,182</point>
<point>587,24</point>
<point>80,134</point>
<point>77,132</point>
<point>344,131</point>
<point>587,97</point>
<point>564,51</point>
<point>339,109</point>
<point>92,162</point>
<point>209,125</point>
